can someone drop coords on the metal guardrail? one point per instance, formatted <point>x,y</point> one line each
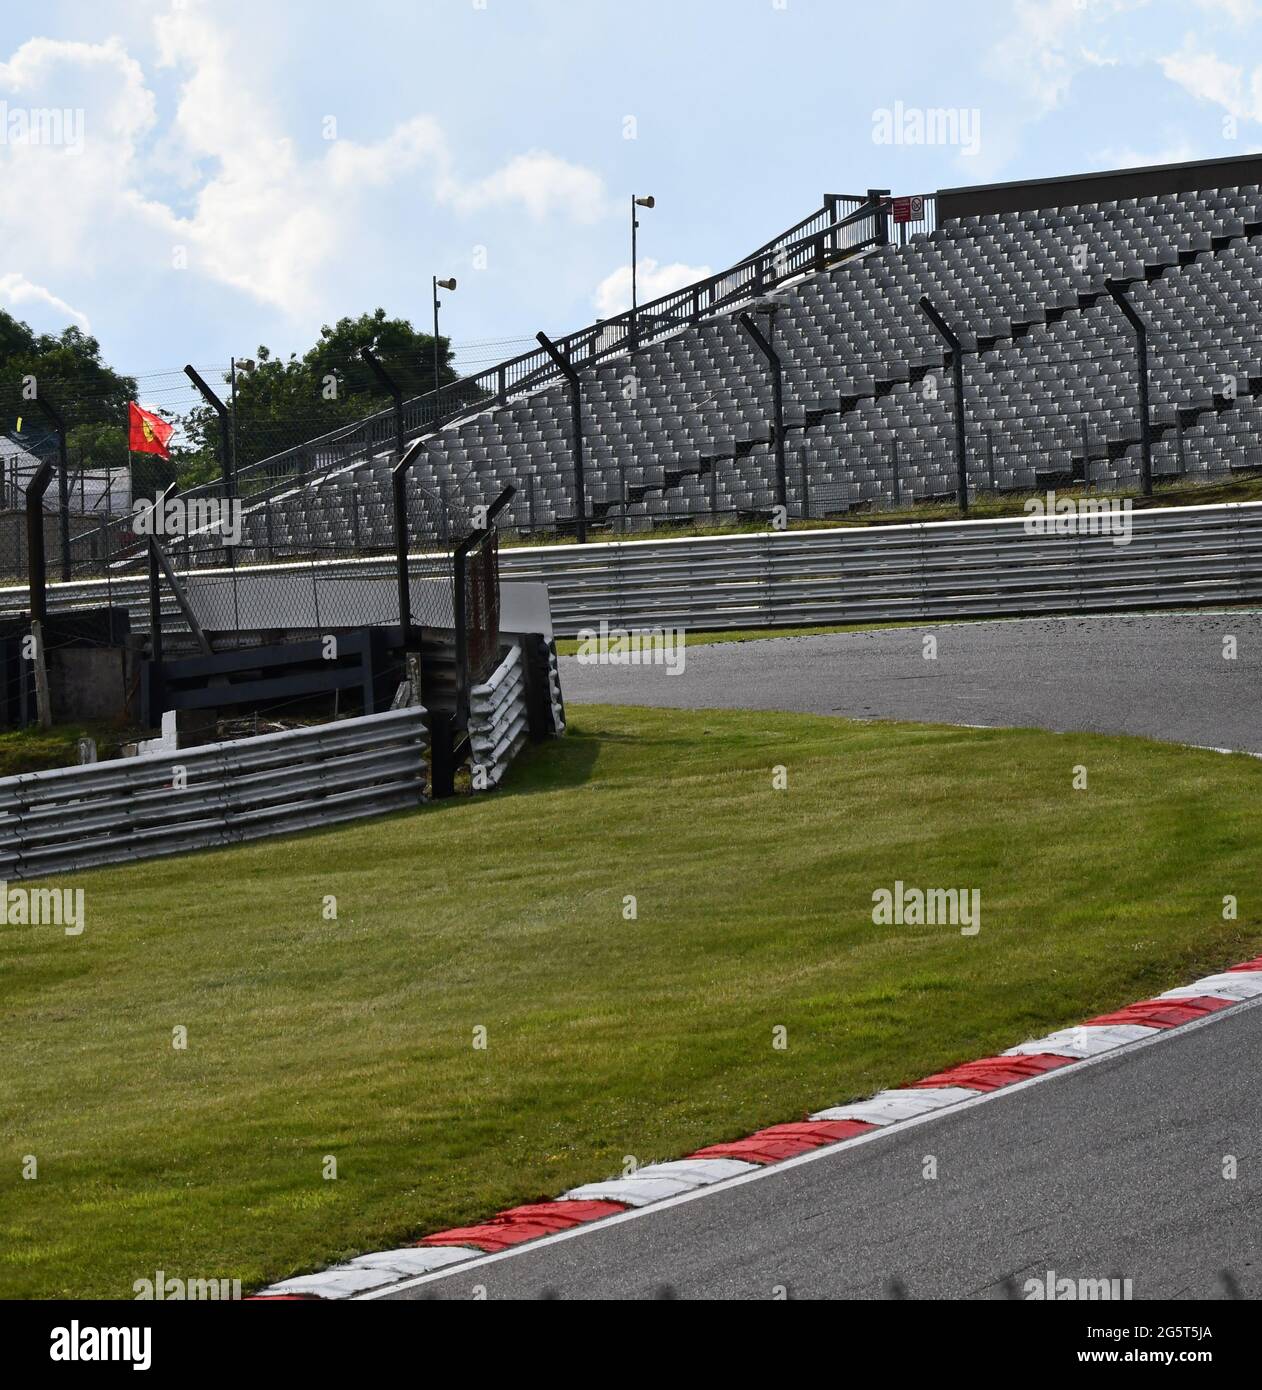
<point>499,723</point>
<point>1177,556</point>
<point>1185,556</point>
<point>555,697</point>
<point>276,784</point>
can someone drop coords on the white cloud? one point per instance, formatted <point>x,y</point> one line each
<point>1210,78</point>
<point>410,146</point>
<point>254,211</point>
<point>1235,11</point>
<point>1128,157</point>
<point>18,291</point>
<point>105,79</point>
<point>541,183</point>
<point>1046,48</point>
<point>613,294</point>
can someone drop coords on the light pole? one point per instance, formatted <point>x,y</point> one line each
<point>438,390</point>
<point>646,202</point>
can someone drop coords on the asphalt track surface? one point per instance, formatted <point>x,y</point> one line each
<point>1162,676</point>
<point>1112,1168</point>
<point>1109,1168</point>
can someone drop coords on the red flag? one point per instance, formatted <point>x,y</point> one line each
<point>146,433</point>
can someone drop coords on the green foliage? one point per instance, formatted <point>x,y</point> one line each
<point>68,366</point>
<point>286,402</point>
<point>97,445</point>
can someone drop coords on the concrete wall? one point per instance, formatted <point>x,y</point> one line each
<point>96,683</point>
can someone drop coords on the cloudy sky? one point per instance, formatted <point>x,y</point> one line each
<point>236,172</point>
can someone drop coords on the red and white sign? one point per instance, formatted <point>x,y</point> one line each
<point>910,209</point>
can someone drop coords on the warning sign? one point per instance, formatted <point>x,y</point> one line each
<point>910,209</point>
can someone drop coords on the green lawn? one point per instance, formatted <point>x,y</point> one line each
<point>607,1037</point>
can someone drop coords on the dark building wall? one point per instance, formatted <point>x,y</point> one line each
<point>1154,180</point>
<point>96,683</point>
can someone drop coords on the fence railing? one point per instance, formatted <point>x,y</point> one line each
<point>926,570</point>
<point>218,794</point>
<point>844,225</point>
<point>1189,556</point>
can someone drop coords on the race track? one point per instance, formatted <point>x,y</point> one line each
<point>1113,1169</point>
<point>1163,676</point>
<point>1109,1169</point>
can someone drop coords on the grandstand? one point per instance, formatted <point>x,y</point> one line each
<point>678,408</point>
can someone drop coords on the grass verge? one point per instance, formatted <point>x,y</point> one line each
<point>1166,493</point>
<point>354,1037</point>
<point>36,750</point>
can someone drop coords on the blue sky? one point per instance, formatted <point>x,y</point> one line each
<point>249,171</point>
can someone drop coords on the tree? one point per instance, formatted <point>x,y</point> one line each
<point>68,366</point>
<point>283,403</point>
<point>405,353</point>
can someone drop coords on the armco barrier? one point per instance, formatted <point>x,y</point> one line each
<point>1182,556</point>
<point>139,808</point>
<point>555,696</point>
<point>1176,556</point>
<point>498,720</point>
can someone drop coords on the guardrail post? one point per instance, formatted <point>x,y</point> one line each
<point>957,376</point>
<point>1117,289</point>
<point>562,361</point>
<point>63,479</point>
<point>763,344</point>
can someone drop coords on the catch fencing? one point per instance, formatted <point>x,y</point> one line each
<point>218,794</point>
<point>1177,556</point>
